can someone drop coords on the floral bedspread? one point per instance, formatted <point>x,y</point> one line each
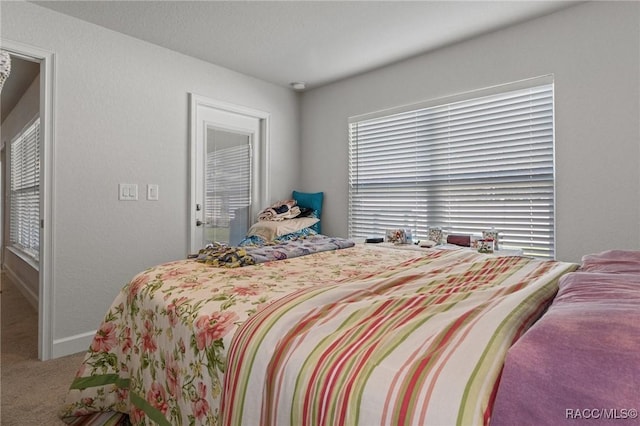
<point>160,354</point>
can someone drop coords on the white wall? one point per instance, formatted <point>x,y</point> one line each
<point>593,49</point>
<point>121,116</point>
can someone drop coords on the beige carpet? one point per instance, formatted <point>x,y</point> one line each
<point>31,391</point>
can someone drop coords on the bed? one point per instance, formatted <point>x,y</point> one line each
<point>581,361</point>
<point>359,334</point>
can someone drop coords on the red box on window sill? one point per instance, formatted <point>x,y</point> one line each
<point>459,240</point>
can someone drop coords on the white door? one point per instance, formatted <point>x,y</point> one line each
<point>227,172</point>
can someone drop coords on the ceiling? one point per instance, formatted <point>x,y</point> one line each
<point>316,42</point>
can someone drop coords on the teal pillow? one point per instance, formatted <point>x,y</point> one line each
<point>311,201</point>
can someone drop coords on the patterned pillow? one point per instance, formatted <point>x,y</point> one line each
<point>269,230</point>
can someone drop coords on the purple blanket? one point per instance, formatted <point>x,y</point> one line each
<point>580,363</point>
<point>233,257</point>
<point>614,261</point>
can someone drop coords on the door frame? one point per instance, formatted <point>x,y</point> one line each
<point>47,127</point>
<point>196,101</point>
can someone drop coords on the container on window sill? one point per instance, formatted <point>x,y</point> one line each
<point>396,236</point>
<point>494,235</point>
<point>435,234</point>
<point>485,245</point>
<point>459,240</point>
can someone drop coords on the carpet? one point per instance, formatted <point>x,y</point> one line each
<point>32,391</point>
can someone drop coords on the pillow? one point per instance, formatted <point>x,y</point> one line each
<point>311,201</point>
<point>270,229</point>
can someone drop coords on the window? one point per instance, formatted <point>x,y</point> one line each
<point>465,164</point>
<point>25,190</point>
<point>228,184</point>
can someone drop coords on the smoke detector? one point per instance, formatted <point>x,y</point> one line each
<point>298,85</point>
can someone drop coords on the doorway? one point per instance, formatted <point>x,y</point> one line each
<point>33,273</point>
<point>229,146</point>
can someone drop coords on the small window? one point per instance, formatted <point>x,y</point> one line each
<point>464,165</point>
<point>25,191</point>
<point>227,185</point>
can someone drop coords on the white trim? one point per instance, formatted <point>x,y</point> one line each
<point>72,344</point>
<point>46,311</point>
<point>263,166</point>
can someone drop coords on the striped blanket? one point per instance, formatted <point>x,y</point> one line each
<point>420,345</point>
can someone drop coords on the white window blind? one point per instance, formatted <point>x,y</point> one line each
<point>25,191</point>
<point>228,183</point>
<point>464,166</point>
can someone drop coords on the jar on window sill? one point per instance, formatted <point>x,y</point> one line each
<point>485,245</point>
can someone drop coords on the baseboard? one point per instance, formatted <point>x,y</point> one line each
<point>23,288</point>
<point>72,344</point>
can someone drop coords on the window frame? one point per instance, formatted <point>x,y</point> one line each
<point>359,219</point>
<point>25,234</point>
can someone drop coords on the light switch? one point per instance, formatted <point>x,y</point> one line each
<point>152,192</point>
<point>127,191</point>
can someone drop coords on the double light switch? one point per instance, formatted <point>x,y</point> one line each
<point>129,192</point>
